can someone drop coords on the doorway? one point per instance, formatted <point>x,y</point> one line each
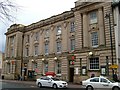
<point>71,74</point>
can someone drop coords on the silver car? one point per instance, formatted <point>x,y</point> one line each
<point>49,81</point>
<point>100,83</point>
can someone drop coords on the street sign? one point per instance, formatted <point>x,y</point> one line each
<point>114,66</point>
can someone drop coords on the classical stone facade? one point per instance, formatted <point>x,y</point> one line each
<point>116,12</point>
<point>74,44</point>
<point>1,60</point>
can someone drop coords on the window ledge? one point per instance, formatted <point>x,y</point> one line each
<point>94,70</point>
<point>95,46</point>
<point>58,74</point>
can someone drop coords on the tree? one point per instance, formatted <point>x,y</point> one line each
<point>7,10</point>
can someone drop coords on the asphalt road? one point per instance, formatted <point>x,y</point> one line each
<point>21,85</point>
<point>26,86</point>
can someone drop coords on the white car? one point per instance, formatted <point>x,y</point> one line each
<point>100,83</point>
<point>49,81</point>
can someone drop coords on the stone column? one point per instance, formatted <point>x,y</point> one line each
<point>78,30</point>
<point>85,30</point>
<point>101,27</point>
<point>6,46</point>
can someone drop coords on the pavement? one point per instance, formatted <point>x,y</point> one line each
<point>70,85</point>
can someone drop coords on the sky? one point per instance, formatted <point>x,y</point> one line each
<point>31,11</point>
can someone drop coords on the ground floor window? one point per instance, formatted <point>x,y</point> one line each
<point>58,67</point>
<point>94,63</point>
<point>45,67</point>
<point>8,67</point>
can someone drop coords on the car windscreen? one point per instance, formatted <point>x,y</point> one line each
<point>111,80</point>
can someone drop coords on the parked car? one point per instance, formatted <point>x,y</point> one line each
<point>101,83</point>
<point>49,81</point>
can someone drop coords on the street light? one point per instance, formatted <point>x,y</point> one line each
<point>108,17</point>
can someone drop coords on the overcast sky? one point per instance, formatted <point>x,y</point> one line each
<point>32,11</point>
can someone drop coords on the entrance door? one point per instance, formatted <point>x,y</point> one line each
<point>71,74</point>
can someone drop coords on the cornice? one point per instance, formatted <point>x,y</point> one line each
<point>49,21</point>
<point>16,29</point>
<point>86,5</point>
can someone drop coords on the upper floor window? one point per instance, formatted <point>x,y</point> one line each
<point>36,50</point>
<point>27,51</point>
<point>72,25</point>
<point>94,38</point>
<point>36,36</point>
<point>59,46</point>
<point>46,33</point>
<point>72,44</point>
<point>94,63</point>
<point>46,48</point>
<point>93,17</point>
<point>59,30</point>
<point>12,39</point>
<point>27,38</point>
<point>12,51</point>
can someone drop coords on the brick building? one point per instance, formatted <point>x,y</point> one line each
<point>73,44</point>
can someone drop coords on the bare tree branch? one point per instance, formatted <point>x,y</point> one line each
<point>7,10</point>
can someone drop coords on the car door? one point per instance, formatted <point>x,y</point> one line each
<point>94,82</point>
<point>44,81</point>
<point>104,83</point>
<point>48,82</point>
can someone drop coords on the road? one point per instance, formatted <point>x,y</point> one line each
<point>27,85</point>
<point>19,85</point>
<point>16,85</point>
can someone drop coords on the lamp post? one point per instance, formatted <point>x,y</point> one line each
<point>111,45</point>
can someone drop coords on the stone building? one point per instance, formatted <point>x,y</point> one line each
<point>116,13</point>
<point>74,45</point>
<point>1,60</point>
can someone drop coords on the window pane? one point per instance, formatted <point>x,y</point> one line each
<point>58,67</point>
<point>72,44</point>
<point>46,48</point>
<point>12,39</point>
<point>47,33</point>
<point>58,46</point>
<point>58,30</point>
<point>93,17</point>
<point>45,67</point>
<point>12,52</point>
<point>72,27</point>
<point>94,63</point>
<point>94,80</point>
<point>36,36</point>
<point>27,39</point>
<point>36,50</point>
<point>94,38</point>
<point>27,51</point>
<point>103,80</point>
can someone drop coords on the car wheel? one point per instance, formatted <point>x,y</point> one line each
<point>89,88</point>
<point>115,88</point>
<point>39,84</point>
<point>54,86</point>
